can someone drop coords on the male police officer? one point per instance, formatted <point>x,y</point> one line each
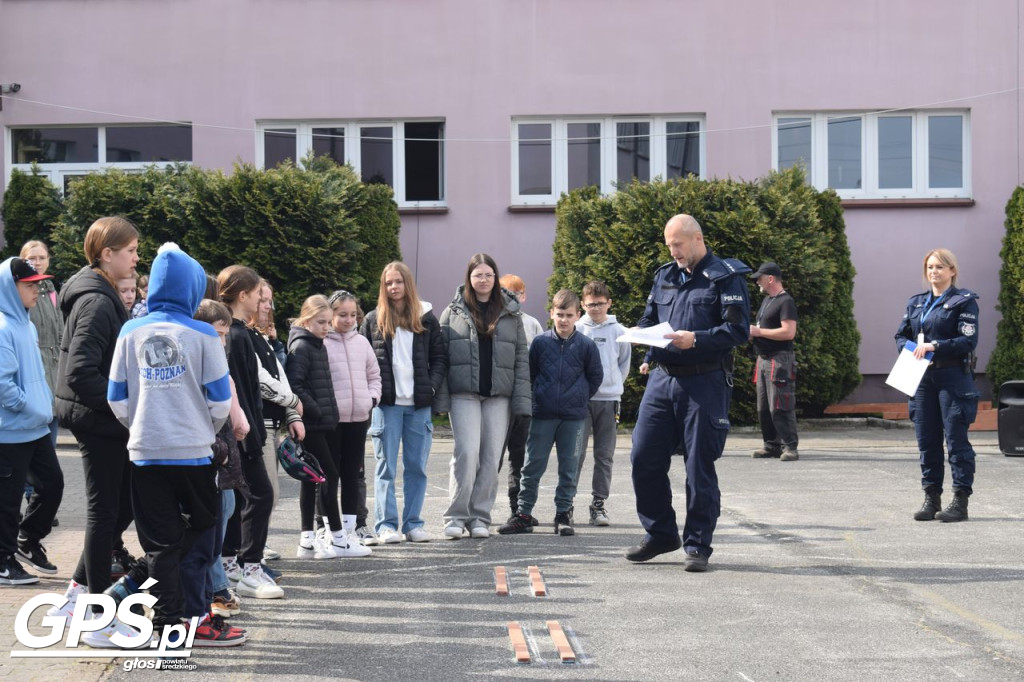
<point>686,403</point>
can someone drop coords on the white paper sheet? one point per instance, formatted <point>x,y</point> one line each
<point>908,371</point>
<point>648,336</point>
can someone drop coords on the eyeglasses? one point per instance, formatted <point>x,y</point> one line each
<point>595,304</point>
<point>483,275</point>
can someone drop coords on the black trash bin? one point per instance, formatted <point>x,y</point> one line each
<point>1011,419</point>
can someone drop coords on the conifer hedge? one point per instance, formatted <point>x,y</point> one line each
<point>620,239</point>
<point>30,210</point>
<point>1007,360</point>
<point>308,229</point>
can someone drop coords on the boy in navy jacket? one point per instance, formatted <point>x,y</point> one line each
<point>565,371</point>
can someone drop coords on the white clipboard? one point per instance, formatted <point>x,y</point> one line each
<point>908,371</point>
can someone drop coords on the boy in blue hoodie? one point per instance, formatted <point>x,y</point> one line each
<point>169,385</point>
<point>26,449</point>
<point>565,373</point>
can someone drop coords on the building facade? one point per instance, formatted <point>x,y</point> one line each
<point>480,114</point>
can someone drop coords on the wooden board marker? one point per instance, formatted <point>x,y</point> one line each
<point>565,651</point>
<point>515,633</point>
<point>537,582</point>
<point>501,581</point>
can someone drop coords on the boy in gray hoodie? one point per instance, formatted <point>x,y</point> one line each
<point>603,410</point>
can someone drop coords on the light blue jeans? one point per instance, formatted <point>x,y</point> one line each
<point>565,435</point>
<point>216,575</point>
<point>391,426</point>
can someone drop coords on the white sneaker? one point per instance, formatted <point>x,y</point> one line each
<point>232,569</point>
<point>367,536</point>
<point>390,536</point>
<point>417,535</point>
<point>100,639</point>
<point>479,532</point>
<point>454,531</point>
<point>68,610</point>
<point>348,546</point>
<point>323,548</point>
<point>270,554</point>
<point>257,584</point>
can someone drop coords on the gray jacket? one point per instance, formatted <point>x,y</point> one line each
<point>510,370</point>
<point>49,322</point>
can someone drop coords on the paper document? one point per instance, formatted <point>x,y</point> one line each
<point>908,371</point>
<point>648,336</point>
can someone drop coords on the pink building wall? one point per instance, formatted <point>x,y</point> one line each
<point>477,64</point>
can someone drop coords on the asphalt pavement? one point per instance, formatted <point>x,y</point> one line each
<point>819,573</point>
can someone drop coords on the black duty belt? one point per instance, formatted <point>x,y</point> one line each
<point>946,364</point>
<point>691,370</point>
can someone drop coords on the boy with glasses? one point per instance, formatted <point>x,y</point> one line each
<point>603,411</point>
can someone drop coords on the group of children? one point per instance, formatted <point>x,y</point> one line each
<point>205,396</point>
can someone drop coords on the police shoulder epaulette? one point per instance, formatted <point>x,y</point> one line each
<point>960,297</point>
<point>662,267</point>
<point>726,267</point>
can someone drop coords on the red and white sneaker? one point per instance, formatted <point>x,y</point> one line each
<point>214,631</point>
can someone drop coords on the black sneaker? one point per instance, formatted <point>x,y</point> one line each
<point>121,562</point>
<point>563,523</point>
<point>34,554</point>
<point>519,523</point>
<point>650,548</point>
<point>695,562</point>
<point>11,572</point>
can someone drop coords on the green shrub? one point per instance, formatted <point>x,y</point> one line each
<point>620,239</point>
<point>30,210</point>
<point>1007,360</point>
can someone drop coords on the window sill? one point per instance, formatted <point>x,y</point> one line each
<point>422,210</point>
<point>529,208</point>
<point>907,203</point>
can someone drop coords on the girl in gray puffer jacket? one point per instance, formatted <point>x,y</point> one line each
<point>488,379</point>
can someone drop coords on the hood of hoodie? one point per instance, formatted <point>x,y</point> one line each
<point>177,283</point>
<point>10,299</point>
<point>87,281</point>
<point>587,322</point>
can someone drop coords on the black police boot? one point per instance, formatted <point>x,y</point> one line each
<point>956,511</point>
<point>932,504</point>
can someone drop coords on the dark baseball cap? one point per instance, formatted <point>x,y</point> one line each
<point>767,269</point>
<point>23,271</point>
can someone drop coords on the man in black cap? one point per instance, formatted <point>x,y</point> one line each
<point>772,334</point>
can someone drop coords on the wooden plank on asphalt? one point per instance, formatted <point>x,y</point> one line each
<point>565,651</point>
<point>536,582</point>
<point>501,581</point>
<point>515,633</point>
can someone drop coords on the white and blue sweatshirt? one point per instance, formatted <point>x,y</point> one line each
<point>169,378</point>
<point>615,356</point>
<point>26,404</point>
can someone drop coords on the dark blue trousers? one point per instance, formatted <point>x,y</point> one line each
<point>945,404</point>
<point>692,413</point>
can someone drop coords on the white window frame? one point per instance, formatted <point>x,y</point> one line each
<point>609,137</point>
<point>57,172</point>
<point>353,150</point>
<point>869,153</point>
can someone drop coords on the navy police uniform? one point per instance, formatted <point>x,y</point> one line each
<point>946,401</point>
<point>686,402</point>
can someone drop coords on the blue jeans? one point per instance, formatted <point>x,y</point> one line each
<point>565,435</point>
<point>391,425</point>
<point>215,575</point>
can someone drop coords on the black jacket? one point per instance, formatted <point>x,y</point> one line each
<point>430,362</point>
<point>309,374</point>
<point>242,362</point>
<point>93,316</point>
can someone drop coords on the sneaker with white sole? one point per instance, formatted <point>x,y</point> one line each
<point>12,573</point>
<point>100,639</point>
<point>390,536</point>
<point>227,605</point>
<point>257,584</point>
<point>346,545</point>
<point>33,553</point>
<point>231,569</point>
<point>68,610</point>
<point>270,554</point>
<point>367,536</point>
<point>454,531</point>
<point>480,532</point>
<point>417,535</point>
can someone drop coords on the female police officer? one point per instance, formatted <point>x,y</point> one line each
<point>943,321</point>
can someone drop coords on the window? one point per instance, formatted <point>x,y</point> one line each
<point>406,155</point>
<point>67,153</point>
<point>895,155</point>
<point>552,156</point>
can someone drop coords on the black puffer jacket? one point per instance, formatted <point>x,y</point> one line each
<point>93,316</point>
<point>309,374</point>
<point>430,362</point>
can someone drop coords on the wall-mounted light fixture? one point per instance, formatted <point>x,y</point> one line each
<point>8,89</point>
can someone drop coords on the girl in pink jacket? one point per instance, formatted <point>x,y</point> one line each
<point>356,379</point>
